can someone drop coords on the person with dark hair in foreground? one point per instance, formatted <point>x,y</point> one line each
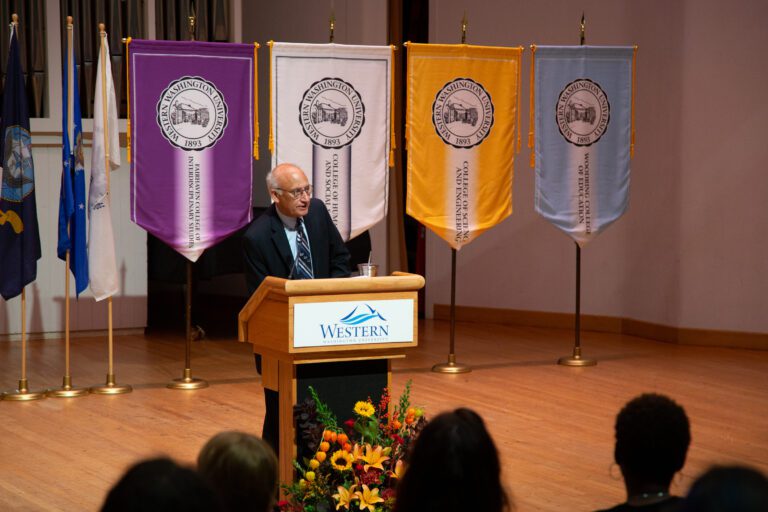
<point>242,469</point>
<point>454,467</point>
<point>159,485</point>
<point>652,438</point>
<point>728,489</point>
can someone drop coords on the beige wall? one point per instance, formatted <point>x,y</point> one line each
<point>691,251</point>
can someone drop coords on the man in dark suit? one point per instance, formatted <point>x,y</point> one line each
<point>294,238</point>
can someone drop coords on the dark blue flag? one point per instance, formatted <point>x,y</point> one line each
<point>19,236</point>
<point>72,202</point>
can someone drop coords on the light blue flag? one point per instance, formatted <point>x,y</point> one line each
<point>72,203</point>
<point>583,109</point>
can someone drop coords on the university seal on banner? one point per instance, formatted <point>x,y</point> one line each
<point>462,113</point>
<point>192,113</point>
<point>331,113</point>
<point>582,112</point>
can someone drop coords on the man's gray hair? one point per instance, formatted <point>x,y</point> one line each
<point>271,181</point>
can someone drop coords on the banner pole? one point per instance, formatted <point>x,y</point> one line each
<point>23,394</point>
<point>187,381</point>
<point>452,366</point>
<point>110,387</point>
<point>67,390</point>
<point>576,359</point>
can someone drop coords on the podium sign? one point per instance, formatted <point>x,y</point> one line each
<point>322,324</point>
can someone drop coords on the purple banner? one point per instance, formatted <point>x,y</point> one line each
<point>191,140</point>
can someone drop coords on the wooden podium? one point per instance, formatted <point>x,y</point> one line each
<point>292,324</point>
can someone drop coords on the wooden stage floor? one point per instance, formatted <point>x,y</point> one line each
<point>553,425</point>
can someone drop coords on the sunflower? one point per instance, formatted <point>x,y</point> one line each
<point>341,460</point>
<point>364,409</point>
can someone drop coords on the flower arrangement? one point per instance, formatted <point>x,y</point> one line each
<point>356,465</point>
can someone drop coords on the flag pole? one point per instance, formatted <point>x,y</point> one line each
<point>576,359</point>
<point>187,381</point>
<point>67,390</point>
<point>452,366</point>
<point>110,388</point>
<point>22,394</point>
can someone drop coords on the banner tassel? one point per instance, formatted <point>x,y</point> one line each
<point>271,98</point>
<point>519,89</point>
<point>392,139</point>
<point>128,100</point>
<point>407,108</point>
<point>634,82</point>
<point>256,47</point>
<point>532,120</point>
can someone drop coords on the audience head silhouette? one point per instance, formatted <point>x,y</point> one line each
<point>242,469</point>
<point>454,466</point>
<point>652,438</point>
<point>728,489</point>
<point>159,485</point>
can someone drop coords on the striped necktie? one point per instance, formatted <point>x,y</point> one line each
<point>303,262</point>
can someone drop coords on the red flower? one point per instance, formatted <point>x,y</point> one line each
<point>370,477</point>
<point>388,493</point>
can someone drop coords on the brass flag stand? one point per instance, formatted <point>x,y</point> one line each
<point>22,393</point>
<point>110,387</point>
<point>576,359</point>
<point>452,366</point>
<point>187,381</point>
<point>67,390</point>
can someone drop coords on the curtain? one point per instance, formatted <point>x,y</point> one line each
<point>122,19</point>
<point>212,20</point>
<point>32,44</point>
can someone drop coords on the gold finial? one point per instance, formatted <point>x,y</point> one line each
<point>583,29</point>
<point>69,21</point>
<point>14,19</point>
<point>191,27</point>
<point>464,24</point>
<point>102,28</point>
<point>332,24</point>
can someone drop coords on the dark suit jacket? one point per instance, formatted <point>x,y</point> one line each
<point>267,252</point>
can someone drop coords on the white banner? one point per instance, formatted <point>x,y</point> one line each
<point>352,323</point>
<point>331,117</point>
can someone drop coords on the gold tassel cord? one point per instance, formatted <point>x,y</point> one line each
<point>128,100</point>
<point>392,141</point>
<point>532,120</point>
<point>634,82</point>
<point>407,95</point>
<point>271,121</point>
<point>519,73</point>
<point>255,101</point>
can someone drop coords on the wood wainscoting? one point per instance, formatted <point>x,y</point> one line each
<point>610,324</point>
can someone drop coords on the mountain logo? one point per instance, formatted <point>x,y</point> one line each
<point>356,318</point>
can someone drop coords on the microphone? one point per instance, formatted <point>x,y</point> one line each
<point>290,271</point>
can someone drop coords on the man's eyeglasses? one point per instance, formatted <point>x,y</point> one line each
<point>298,192</point>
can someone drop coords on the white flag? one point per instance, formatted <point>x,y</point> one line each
<point>101,240</point>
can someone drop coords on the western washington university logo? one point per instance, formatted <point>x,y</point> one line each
<point>582,112</point>
<point>192,113</point>
<point>331,113</point>
<point>462,113</point>
<point>352,325</point>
